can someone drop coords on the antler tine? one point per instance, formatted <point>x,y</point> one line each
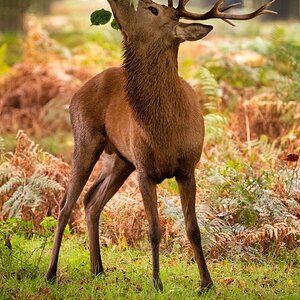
<point>217,12</point>
<point>181,4</point>
<point>229,6</point>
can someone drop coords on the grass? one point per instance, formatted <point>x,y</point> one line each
<point>60,144</point>
<point>14,51</point>
<point>128,274</point>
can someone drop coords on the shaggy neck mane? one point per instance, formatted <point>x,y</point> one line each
<point>153,86</point>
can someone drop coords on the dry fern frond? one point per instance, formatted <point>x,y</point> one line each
<point>124,220</point>
<point>278,233</point>
<point>28,89</point>
<point>32,182</point>
<point>266,115</point>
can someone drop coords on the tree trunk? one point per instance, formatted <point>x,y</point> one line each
<point>12,14</point>
<point>293,9</point>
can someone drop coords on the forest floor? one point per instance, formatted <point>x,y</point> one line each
<point>128,274</point>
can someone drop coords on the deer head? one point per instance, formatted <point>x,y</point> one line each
<point>154,22</point>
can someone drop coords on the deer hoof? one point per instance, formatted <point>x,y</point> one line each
<point>206,288</point>
<point>99,273</point>
<point>158,284</point>
<point>50,277</point>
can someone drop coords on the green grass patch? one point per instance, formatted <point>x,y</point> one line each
<point>128,274</point>
<point>60,143</point>
<point>14,51</point>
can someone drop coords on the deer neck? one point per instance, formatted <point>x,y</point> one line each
<point>153,86</point>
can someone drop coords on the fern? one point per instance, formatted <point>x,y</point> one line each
<point>39,182</point>
<point>285,59</point>
<point>208,88</point>
<point>7,171</point>
<point>27,194</point>
<point>31,178</point>
<point>290,179</point>
<point>238,228</point>
<point>173,211</point>
<point>2,146</point>
<point>271,208</point>
<point>279,232</point>
<point>12,207</point>
<point>265,149</point>
<point>11,184</point>
<point>215,127</point>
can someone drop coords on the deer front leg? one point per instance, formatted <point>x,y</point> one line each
<point>113,175</point>
<point>148,191</point>
<point>187,188</point>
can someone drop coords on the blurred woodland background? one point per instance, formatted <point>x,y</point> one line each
<point>248,80</point>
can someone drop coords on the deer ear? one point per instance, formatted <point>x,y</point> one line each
<point>191,32</point>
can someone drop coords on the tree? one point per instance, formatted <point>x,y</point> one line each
<point>288,9</point>
<point>12,12</point>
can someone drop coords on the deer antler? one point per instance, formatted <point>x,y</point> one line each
<point>182,3</point>
<point>218,12</point>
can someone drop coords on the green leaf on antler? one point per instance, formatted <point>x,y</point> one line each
<point>114,24</point>
<point>100,17</point>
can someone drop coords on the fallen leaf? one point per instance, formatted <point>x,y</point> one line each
<point>138,287</point>
<point>227,281</point>
<point>291,157</point>
<point>44,291</point>
<point>290,282</point>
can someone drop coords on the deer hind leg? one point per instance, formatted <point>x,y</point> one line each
<point>148,191</point>
<point>187,188</point>
<point>115,171</point>
<point>86,153</point>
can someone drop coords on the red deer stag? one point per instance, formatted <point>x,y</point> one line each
<point>147,118</point>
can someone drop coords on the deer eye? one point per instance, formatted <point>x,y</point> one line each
<point>153,10</point>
